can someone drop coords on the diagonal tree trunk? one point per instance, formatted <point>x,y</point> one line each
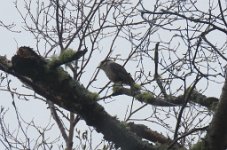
<point>217,133</point>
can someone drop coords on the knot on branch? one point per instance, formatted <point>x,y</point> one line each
<point>28,63</point>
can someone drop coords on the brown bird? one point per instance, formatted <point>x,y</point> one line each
<point>116,73</point>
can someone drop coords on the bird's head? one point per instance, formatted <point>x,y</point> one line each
<point>103,64</point>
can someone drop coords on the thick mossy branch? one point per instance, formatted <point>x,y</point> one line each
<point>145,97</point>
<point>209,102</point>
<point>149,98</point>
<point>57,86</point>
<point>146,133</point>
<point>198,98</point>
<point>65,57</point>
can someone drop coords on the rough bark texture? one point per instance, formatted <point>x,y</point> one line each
<point>217,133</point>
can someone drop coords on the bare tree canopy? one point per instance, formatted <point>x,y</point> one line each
<point>165,63</point>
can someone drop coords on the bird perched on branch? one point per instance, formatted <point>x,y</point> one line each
<point>116,73</point>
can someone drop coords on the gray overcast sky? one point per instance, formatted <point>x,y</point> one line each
<point>34,108</point>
